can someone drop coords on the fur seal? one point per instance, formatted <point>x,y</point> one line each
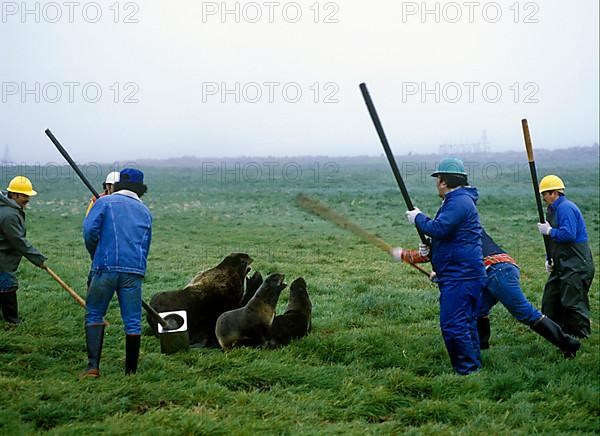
<point>296,320</point>
<point>252,285</point>
<point>249,325</point>
<point>209,294</point>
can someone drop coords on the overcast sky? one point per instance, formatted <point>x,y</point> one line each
<point>177,72</point>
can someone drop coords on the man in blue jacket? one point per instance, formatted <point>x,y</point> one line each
<point>457,260</point>
<point>117,234</point>
<point>503,285</point>
<point>571,266</point>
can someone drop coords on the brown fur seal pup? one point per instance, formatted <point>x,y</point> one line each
<point>205,297</point>
<point>296,320</point>
<point>249,325</point>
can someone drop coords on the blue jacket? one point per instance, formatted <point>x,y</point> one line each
<point>567,222</point>
<point>117,234</point>
<point>456,252</point>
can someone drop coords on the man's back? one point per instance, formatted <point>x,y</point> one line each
<point>117,233</point>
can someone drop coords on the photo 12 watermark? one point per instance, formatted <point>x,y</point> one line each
<point>470,12</point>
<point>270,92</point>
<point>270,12</point>
<point>69,12</point>
<point>69,92</point>
<point>469,92</point>
<point>54,172</point>
<point>270,171</point>
<point>477,171</point>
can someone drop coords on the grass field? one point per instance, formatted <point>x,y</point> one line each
<point>375,362</point>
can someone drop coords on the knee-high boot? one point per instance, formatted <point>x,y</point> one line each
<point>94,337</point>
<point>484,330</point>
<point>132,353</point>
<point>552,332</point>
<point>10,307</point>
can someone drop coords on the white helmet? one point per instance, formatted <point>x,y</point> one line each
<point>112,178</point>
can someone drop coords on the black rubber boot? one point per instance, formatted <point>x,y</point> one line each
<point>94,336</point>
<point>10,307</point>
<point>132,353</point>
<point>484,331</point>
<point>552,332</point>
<point>577,326</point>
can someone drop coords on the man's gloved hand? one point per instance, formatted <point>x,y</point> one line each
<point>424,250</point>
<point>549,266</point>
<point>396,253</point>
<point>544,228</point>
<point>412,214</point>
<point>432,276</point>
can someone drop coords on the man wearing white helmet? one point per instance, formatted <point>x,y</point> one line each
<point>108,186</point>
<point>571,266</point>
<point>14,245</point>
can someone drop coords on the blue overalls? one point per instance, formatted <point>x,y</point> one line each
<point>457,259</point>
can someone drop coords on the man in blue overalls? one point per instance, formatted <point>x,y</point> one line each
<point>117,234</point>
<point>456,258</point>
<point>503,285</point>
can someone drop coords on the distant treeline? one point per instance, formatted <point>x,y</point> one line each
<point>584,156</point>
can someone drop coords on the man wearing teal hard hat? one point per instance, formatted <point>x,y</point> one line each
<point>503,285</point>
<point>457,259</point>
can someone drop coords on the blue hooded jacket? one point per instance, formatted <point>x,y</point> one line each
<point>117,234</point>
<point>456,252</point>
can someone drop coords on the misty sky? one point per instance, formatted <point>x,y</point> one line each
<point>176,58</point>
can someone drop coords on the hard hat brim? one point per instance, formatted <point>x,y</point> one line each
<point>559,189</point>
<point>31,193</point>
<point>457,173</point>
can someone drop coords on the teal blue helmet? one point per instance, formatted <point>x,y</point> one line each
<point>450,165</point>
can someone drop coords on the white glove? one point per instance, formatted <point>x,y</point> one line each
<point>432,276</point>
<point>424,249</point>
<point>412,214</point>
<point>549,266</point>
<point>544,228</point>
<point>396,253</point>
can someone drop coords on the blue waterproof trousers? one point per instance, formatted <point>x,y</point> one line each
<point>459,305</point>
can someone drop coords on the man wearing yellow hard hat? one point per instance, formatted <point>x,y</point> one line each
<point>571,266</point>
<point>13,244</point>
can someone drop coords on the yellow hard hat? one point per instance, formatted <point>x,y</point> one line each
<point>21,185</point>
<point>551,183</point>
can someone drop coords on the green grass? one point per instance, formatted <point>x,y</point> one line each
<point>374,363</point>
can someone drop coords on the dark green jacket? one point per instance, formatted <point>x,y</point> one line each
<point>13,244</point>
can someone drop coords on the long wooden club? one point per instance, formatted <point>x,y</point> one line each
<point>66,287</point>
<point>534,181</point>
<point>327,214</point>
<point>388,153</point>
<point>153,313</point>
